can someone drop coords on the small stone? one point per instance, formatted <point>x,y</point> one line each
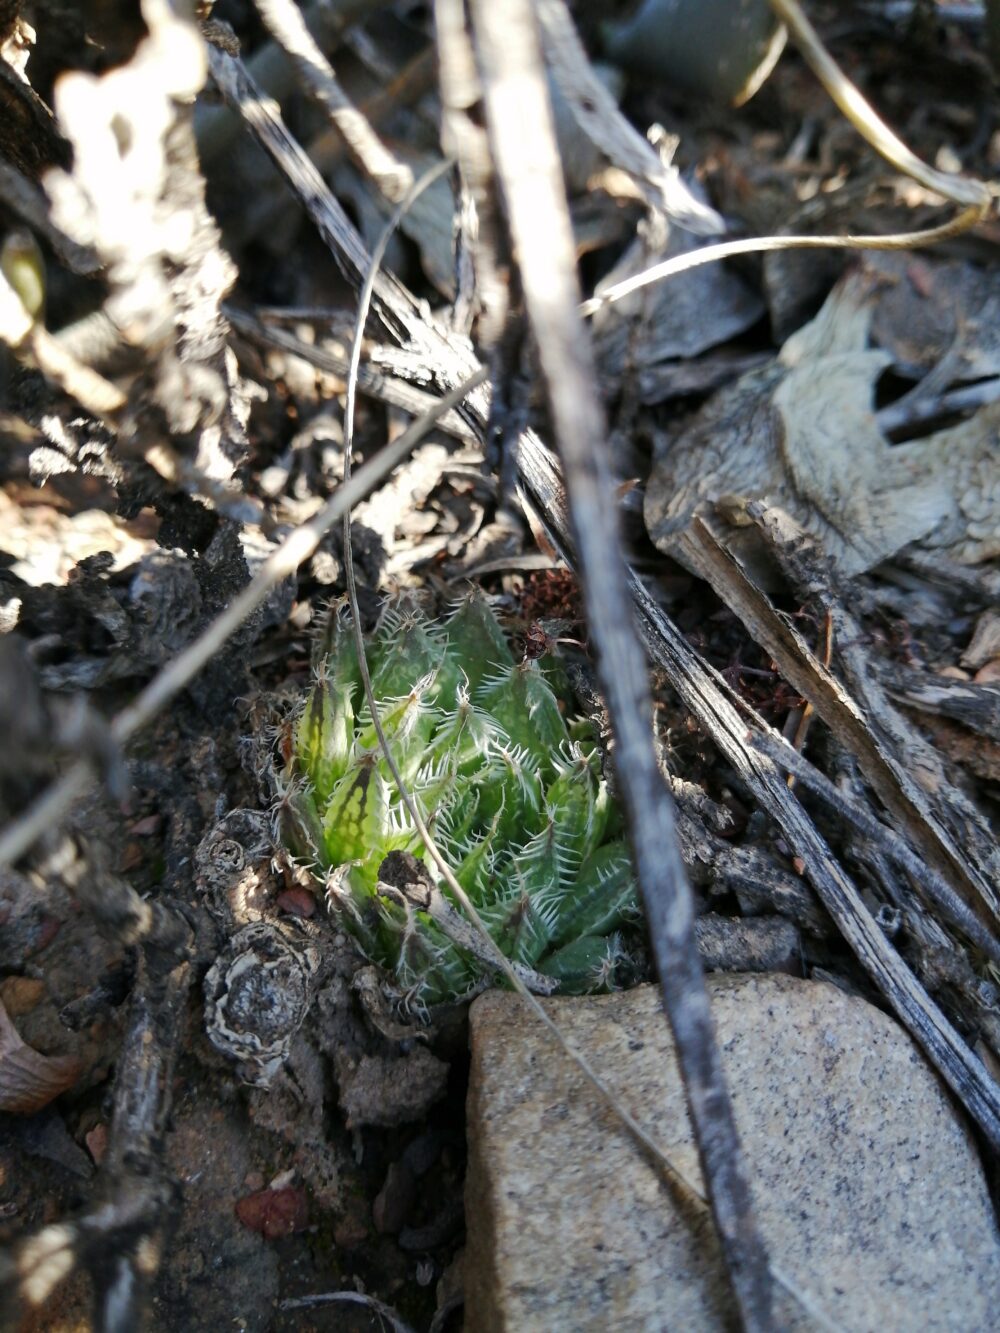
<point>21,994</point>
<point>377,1090</point>
<point>866,1182</point>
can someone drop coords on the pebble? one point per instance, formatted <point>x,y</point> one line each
<point>867,1185</point>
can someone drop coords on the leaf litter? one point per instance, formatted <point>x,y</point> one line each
<point>811,433</point>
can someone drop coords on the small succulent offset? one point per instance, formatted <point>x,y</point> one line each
<point>510,790</point>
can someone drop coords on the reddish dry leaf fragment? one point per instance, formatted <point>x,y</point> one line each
<point>296,902</point>
<point>29,1080</point>
<point>96,1140</point>
<point>274,1213</point>
<point>147,826</point>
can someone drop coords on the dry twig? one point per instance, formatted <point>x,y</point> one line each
<point>286,25</point>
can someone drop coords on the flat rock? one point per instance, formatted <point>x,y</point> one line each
<point>869,1190</point>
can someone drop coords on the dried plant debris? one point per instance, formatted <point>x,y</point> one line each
<point>647,333</point>
<point>257,994</point>
<point>802,433</point>
<point>29,1080</point>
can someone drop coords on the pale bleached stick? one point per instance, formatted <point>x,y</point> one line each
<point>283,19</point>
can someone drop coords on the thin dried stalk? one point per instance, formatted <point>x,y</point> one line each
<point>29,340</point>
<point>712,254</point>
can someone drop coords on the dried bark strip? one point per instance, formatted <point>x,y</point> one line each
<point>529,170</point>
<point>449,358</point>
<point>975,706</point>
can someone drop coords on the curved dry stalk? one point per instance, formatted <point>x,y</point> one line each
<point>862,115</point>
<point>751,245</point>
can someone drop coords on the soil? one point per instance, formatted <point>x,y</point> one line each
<point>340,1169</point>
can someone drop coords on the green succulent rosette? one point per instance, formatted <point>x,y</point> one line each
<point>512,794</point>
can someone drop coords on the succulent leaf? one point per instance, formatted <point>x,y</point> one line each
<point>522,701</point>
<point>585,965</point>
<point>325,734</point>
<point>357,814</point>
<point>476,640</point>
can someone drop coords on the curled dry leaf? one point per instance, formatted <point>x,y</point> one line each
<point>676,320</point>
<point>802,434</point>
<point>29,1080</point>
<point>274,1213</point>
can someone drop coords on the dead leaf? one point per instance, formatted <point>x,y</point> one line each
<point>28,1079</point>
<point>680,319</point>
<point>802,435</point>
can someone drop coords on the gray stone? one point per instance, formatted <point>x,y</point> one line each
<point>867,1185</point>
